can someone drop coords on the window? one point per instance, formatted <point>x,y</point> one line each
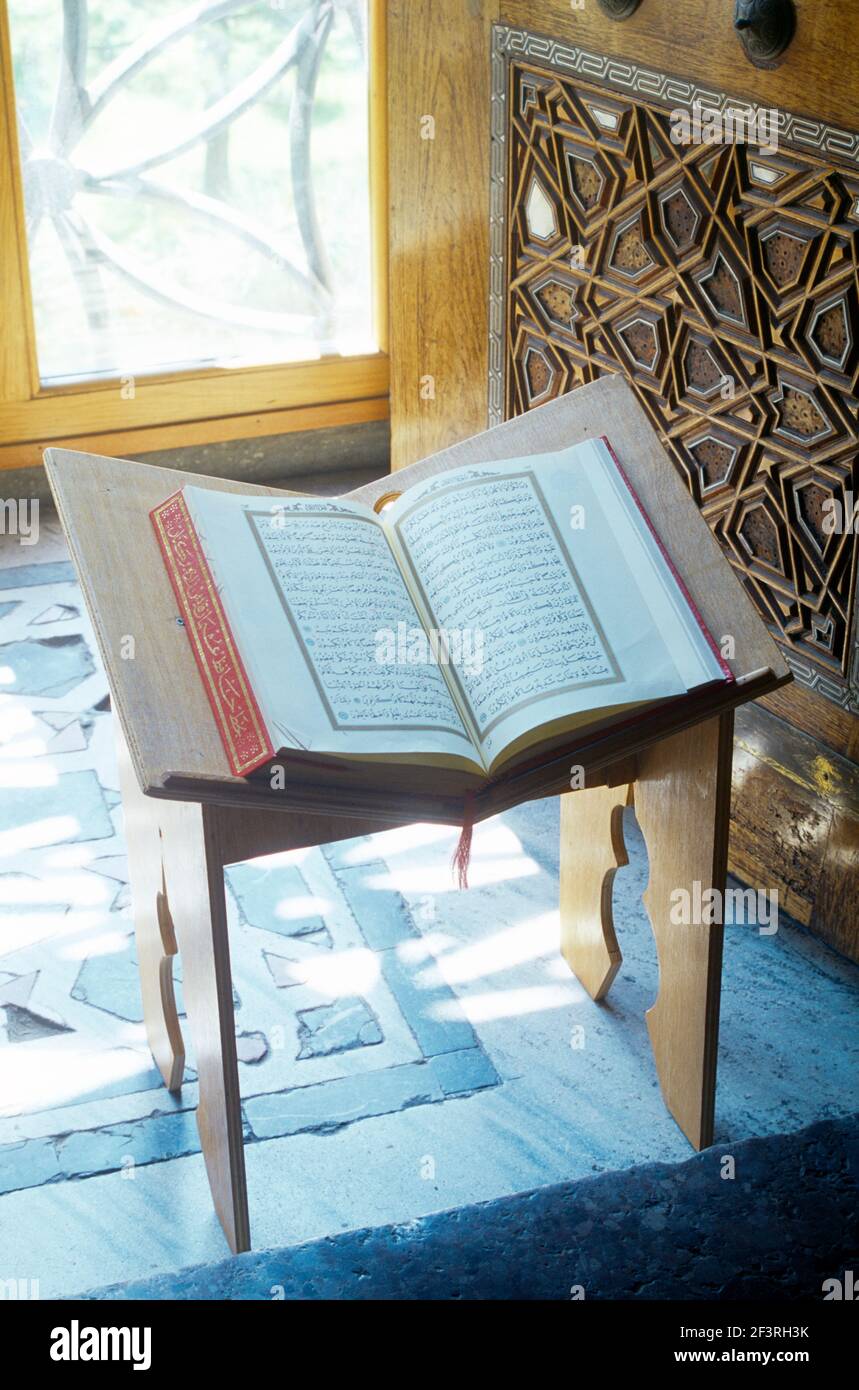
<point>194,200</point>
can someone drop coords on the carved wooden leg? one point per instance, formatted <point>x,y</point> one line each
<point>194,856</point>
<point>592,849</point>
<point>682,802</point>
<point>156,942</point>
<point>177,853</point>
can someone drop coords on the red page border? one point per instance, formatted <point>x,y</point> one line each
<point>225,680</point>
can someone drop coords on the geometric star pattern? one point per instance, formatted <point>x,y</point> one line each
<point>722,280</point>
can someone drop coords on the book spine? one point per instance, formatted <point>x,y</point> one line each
<point>237,714</point>
<point>678,578</point>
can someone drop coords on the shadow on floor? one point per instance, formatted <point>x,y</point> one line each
<point>772,1219</point>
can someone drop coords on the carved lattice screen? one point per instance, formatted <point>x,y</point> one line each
<point>723,281</point>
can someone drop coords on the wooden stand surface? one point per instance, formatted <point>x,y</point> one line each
<point>187,816</point>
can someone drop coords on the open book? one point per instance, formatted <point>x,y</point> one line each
<point>487,616</point>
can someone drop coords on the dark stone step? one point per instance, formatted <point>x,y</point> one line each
<point>786,1220</point>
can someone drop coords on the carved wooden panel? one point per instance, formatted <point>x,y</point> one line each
<point>723,281</point>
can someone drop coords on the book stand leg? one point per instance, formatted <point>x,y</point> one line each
<point>175,855</point>
<point>153,924</point>
<point>681,794</point>
<point>592,849</point>
<point>194,867</point>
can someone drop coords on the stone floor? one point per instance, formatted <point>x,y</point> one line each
<point>404,1048</point>
<point>782,1229</point>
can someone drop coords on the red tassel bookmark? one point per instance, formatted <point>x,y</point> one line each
<point>462,853</point>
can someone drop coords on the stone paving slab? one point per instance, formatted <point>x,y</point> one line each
<point>37,575</point>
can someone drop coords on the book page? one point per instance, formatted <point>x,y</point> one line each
<point>316,602</point>
<point>537,564</point>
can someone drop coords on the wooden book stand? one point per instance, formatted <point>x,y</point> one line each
<point>186,816</point>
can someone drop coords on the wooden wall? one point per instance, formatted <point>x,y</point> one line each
<point>795,822</point>
<point>438,66</point>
